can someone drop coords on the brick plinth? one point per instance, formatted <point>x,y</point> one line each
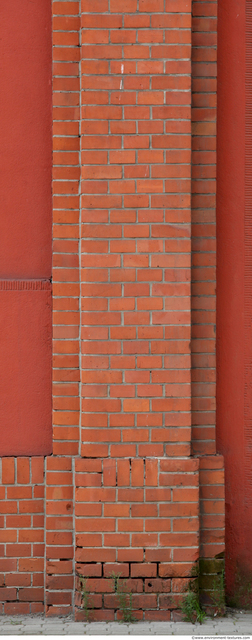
<point>141,520</point>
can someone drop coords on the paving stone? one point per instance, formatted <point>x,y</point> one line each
<point>122,632</point>
<point>204,630</point>
<point>227,628</point>
<point>245,629</point>
<point>139,629</point>
<point>10,632</point>
<point>167,633</point>
<point>74,630</point>
<point>164,629</point>
<point>177,631</point>
<point>32,631</point>
<point>10,622</point>
<point>235,623</point>
<point>32,623</point>
<point>94,631</point>
<point>77,625</point>
<point>51,621</point>
<point>5,628</point>
<point>183,631</point>
<point>52,632</point>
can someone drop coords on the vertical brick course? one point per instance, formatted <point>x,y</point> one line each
<point>204,71</point>
<point>59,535</point>
<point>66,25</point>
<point>212,506</point>
<point>66,173</point>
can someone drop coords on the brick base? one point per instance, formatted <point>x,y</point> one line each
<point>144,519</point>
<point>154,595</point>
<point>148,533</point>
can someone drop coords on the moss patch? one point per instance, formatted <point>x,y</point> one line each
<point>212,584</point>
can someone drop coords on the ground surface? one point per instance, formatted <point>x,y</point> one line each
<point>235,623</point>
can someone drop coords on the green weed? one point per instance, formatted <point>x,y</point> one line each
<point>190,606</point>
<point>218,594</point>
<point>124,597</point>
<point>85,597</point>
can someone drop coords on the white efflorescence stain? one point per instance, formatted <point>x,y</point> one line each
<point>122,71</point>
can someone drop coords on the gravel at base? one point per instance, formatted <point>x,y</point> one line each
<point>234,623</point>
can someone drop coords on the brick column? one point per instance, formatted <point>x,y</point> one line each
<point>204,102</point>
<point>135,300</point>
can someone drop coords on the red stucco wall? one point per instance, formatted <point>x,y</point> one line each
<point>25,228</point>
<point>234,280</point>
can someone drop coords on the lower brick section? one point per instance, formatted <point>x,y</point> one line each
<point>22,535</point>
<point>154,595</point>
<point>212,584</point>
<point>139,518</point>
<point>212,532</point>
<point>212,506</point>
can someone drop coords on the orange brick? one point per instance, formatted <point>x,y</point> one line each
<point>8,471</point>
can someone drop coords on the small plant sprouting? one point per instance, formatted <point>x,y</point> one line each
<point>190,605</point>
<point>115,577</point>
<point>218,594</point>
<point>85,597</point>
<point>191,608</point>
<point>124,597</point>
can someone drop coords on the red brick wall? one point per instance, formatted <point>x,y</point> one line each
<point>22,540</point>
<point>135,247</point>
<point>135,277</point>
<point>122,490</point>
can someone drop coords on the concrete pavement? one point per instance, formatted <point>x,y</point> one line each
<point>233,624</point>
